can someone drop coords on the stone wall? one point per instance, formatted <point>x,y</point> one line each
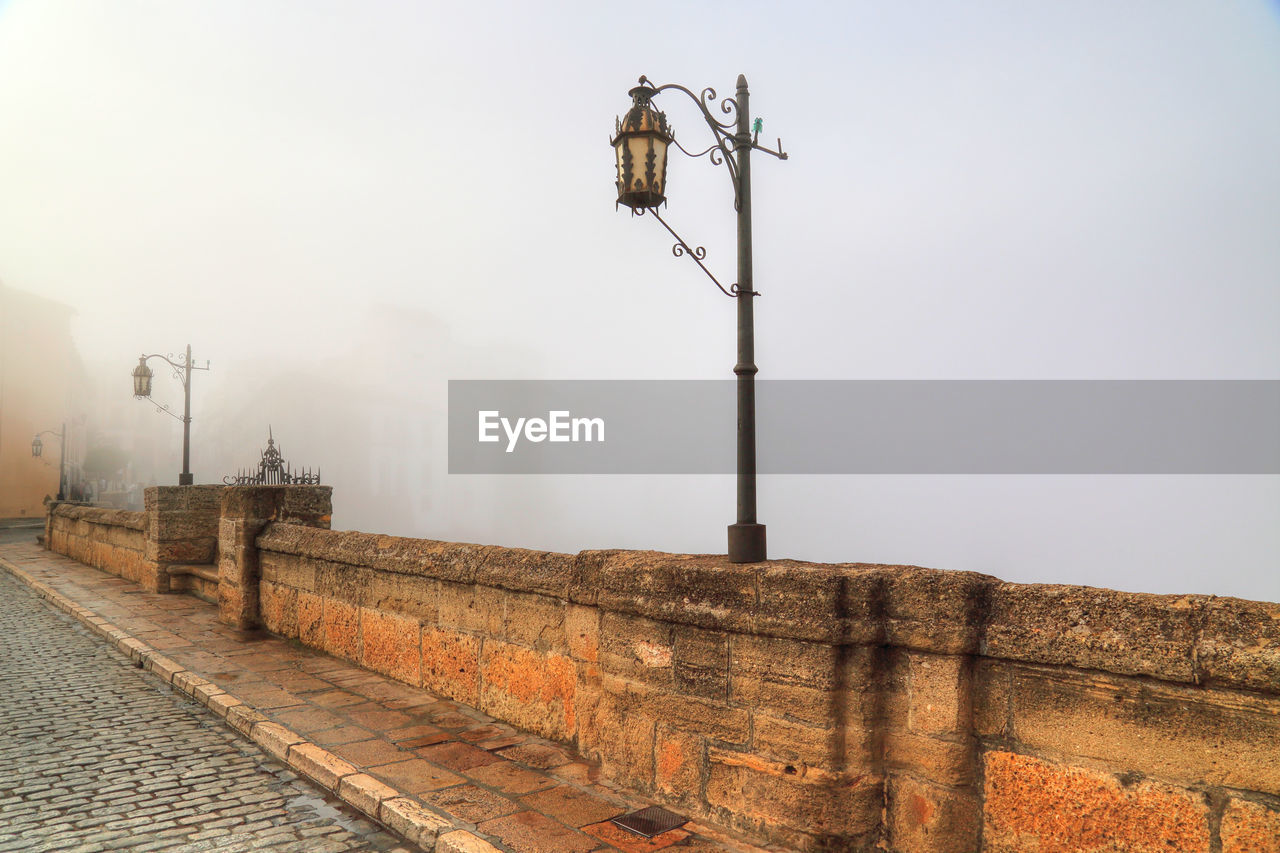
<point>109,539</point>
<point>831,707</point>
<point>820,707</point>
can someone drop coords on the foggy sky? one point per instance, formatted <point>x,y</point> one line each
<point>343,206</point>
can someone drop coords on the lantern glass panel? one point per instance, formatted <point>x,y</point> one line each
<point>142,381</point>
<point>37,446</point>
<point>643,184</point>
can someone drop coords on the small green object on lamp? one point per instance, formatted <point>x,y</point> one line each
<point>757,126</point>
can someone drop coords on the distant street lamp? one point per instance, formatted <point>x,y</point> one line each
<point>37,450</point>
<point>641,141</point>
<point>182,371</point>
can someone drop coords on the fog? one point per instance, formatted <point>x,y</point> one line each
<point>344,206</point>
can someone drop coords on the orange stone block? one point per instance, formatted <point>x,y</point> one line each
<point>677,764</point>
<point>390,644</point>
<point>341,629</point>
<point>1250,828</point>
<point>278,606</point>
<point>1052,808</point>
<point>451,664</point>
<point>529,689</point>
<point>310,623</point>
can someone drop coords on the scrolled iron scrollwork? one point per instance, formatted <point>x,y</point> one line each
<point>698,252</point>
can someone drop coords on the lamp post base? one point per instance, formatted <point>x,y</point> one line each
<point>186,479</point>
<point>746,543</point>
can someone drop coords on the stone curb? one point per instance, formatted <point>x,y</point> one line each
<point>392,808</point>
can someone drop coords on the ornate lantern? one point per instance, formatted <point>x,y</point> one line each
<point>641,142</point>
<point>37,446</point>
<point>142,379</point>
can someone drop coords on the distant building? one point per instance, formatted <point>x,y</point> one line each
<point>42,386</point>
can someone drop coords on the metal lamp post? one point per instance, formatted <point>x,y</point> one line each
<point>641,142</point>
<point>37,450</point>
<point>182,371</point>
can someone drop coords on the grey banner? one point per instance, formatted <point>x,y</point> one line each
<point>867,427</point>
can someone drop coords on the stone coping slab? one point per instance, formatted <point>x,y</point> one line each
<point>1187,639</point>
<point>131,519</point>
<point>444,776</point>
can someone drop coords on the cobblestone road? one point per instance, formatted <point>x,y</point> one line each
<point>96,755</point>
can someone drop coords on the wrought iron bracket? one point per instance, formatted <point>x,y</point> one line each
<point>165,409</point>
<point>696,254</point>
<point>727,142</point>
<point>178,366</point>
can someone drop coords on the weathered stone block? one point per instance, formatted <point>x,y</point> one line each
<point>637,648</point>
<point>341,629</point>
<point>585,582</point>
<point>1180,733</point>
<point>616,731</point>
<point>582,632</point>
<point>701,662</point>
<point>390,644</point>
<point>287,569</point>
<point>183,551</point>
<point>320,765</point>
<point>275,739</point>
<point>413,821</point>
<point>237,609</point>
<point>713,720</point>
<point>679,766</point>
<point>344,582</point>
<point>162,498</point>
<point>1240,644</point>
<point>992,699</point>
<point>826,604</point>
<point>519,570</point>
<point>529,689</point>
<point>451,664</point>
<point>782,661</point>
<point>778,800</point>
<point>1032,804</point>
<point>365,793</point>
<point>535,621</point>
<point>940,690</point>
<point>709,592</point>
<point>409,595</point>
<point>311,620</point>
<point>924,818</point>
<point>476,609</point>
<point>307,505</point>
<point>935,611</point>
<point>1119,632</point>
<point>790,742</point>
<point>186,524</point>
<point>946,762</point>
<point>809,705</point>
<point>1250,828</point>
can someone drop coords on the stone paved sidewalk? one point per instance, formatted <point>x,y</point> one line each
<point>98,757</point>
<point>443,774</point>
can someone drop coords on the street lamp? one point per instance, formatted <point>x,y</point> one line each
<point>37,450</point>
<point>641,142</point>
<point>182,371</point>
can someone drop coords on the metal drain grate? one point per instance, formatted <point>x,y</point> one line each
<point>650,822</point>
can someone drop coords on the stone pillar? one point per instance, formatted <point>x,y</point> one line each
<point>182,528</point>
<point>245,511</point>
